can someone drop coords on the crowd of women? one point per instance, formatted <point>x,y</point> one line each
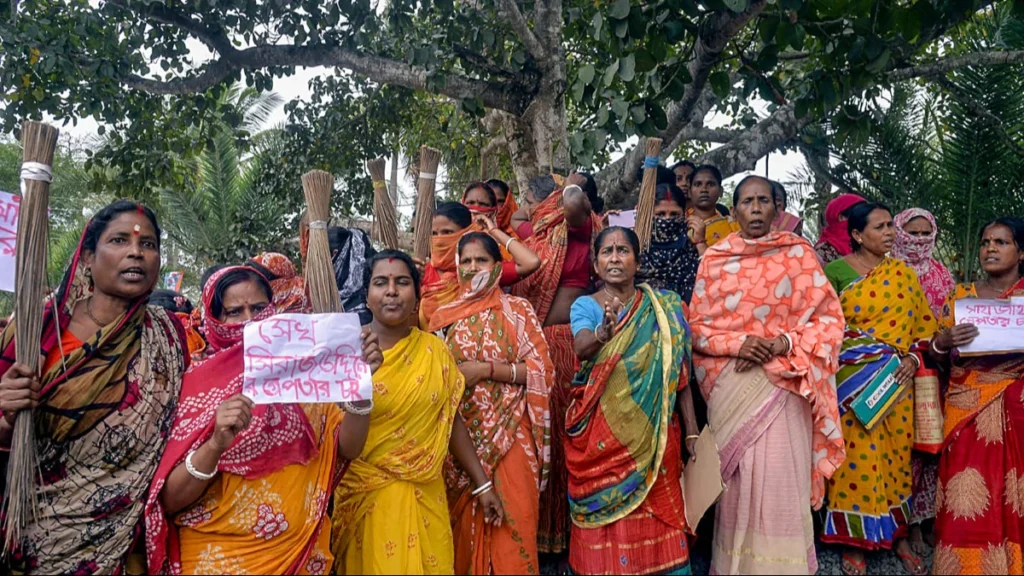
<point>538,385</point>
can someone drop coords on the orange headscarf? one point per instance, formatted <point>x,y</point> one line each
<point>475,293</point>
<point>505,212</point>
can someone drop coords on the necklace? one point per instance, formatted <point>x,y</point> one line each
<point>610,295</point>
<point>88,311</point>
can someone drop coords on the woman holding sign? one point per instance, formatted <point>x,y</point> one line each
<point>499,346</point>
<point>390,510</point>
<point>980,502</point>
<point>887,314</point>
<point>244,489</point>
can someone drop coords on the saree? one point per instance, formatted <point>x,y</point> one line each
<point>834,241</point>
<point>672,260</point>
<point>349,261</point>
<point>509,424</point>
<point>871,495</point>
<point>786,222</point>
<point>775,424</point>
<point>390,509</point>
<point>288,287</point>
<point>979,520</point>
<point>101,426</point>
<point>550,241</point>
<point>935,279</point>
<point>266,513</point>
<point>505,212</point>
<point>441,275</point>
<point>716,228</point>
<point>623,449</point>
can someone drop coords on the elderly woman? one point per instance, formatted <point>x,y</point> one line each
<point>103,397</point>
<point>623,449</point>
<point>767,329</point>
<point>243,489</point>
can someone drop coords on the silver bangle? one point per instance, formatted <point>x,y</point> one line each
<point>482,489</point>
<point>515,375</point>
<point>509,242</point>
<point>937,350</point>
<point>196,473</point>
<point>351,409</point>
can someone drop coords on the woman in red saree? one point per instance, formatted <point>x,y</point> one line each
<point>558,226</point>
<point>507,205</point>
<point>497,341</point>
<point>288,286</point>
<point>244,489</point>
<point>979,504</point>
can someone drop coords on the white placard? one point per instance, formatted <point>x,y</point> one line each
<point>9,204</point>
<point>625,219</point>
<point>305,358</point>
<point>1000,324</point>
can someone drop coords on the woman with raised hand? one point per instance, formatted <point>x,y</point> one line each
<point>102,399</point>
<point>390,510</point>
<point>980,498</point>
<point>507,205</point>
<point>708,225</point>
<point>498,344</point>
<point>623,450</point>
<point>767,329</point>
<point>244,489</point>
<point>887,315</point>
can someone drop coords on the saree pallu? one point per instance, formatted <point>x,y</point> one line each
<point>288,287</point>
<point>553,525</point>
<point>716,228</point>
<point>101,426</point>
<point>390,509</point>
<point>979,520</point>
<point>623,450</point>
<point>764,438</point>
<point>870,497</point>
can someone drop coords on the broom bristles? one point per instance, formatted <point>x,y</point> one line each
<point>429,160</point>
<point>317,186</point>
<point>385,217</point>
<point>645,204</point>
<point>20,498</point>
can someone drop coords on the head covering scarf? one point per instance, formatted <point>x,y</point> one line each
<point>916,251</point>
<point>278,434</point>
<point>671,261</point>
<point>350,268</point>
<point>288,287</point>
<point>101,426</point>
<point>505,212</point>
<point>836,233</point>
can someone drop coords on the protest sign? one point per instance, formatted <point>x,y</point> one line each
<point>172,280</point>
<point>1000,324</point>
<point>625,219</point>
<point>306,358</point>
<point>9,204</point>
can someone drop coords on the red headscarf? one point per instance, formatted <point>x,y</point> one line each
<point>835,232</point>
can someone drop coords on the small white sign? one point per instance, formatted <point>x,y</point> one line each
<point>1000,324</point>
<point>9,204</point>
<point>625,219</point>
<point>305,358</point>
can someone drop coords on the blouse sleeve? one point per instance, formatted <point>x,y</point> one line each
<point>509,276</point>
<point>585,314</point>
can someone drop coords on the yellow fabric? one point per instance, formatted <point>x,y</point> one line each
<point>272,525</point>
<point>390,509</point>
<point>716,228</point>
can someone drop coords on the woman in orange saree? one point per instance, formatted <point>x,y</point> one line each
<point>497,341</point>
<point>289,288</point>
<point>558,226</point>
<point>507,205</point>
<point>979,505</point>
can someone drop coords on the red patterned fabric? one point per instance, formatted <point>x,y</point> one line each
<point>553,527</point>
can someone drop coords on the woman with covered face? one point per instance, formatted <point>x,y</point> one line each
<point>887,316</point>
<point>102,399</point>
<point>767,329</point>
<point>623,430</point>
<point>671,261</point>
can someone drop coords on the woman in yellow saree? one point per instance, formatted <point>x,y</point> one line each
<point>391,510</point>
<point>887,314</point>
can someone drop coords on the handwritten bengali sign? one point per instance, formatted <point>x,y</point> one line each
<point>1000,324</point>
<point>306,358</point>
<point>9,204</point>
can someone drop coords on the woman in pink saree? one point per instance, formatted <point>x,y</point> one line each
<point>767,328</point>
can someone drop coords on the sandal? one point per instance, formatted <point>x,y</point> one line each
<point>853,567</point>
<point>917,543</point>
<point>912,563</point>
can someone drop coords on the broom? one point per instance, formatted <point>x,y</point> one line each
<point>385,218</point>
<point>429,159</point>
<point>39,141</point>
<point>323,290</point>
<point>645,206</point>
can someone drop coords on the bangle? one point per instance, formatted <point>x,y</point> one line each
<point>509,242</point>
<point>486,487</point>
<point>691,436</point>
<point>913,358</point>
<point>514,373</point>
<point>598,337</point>
<point>937,350</point>
<point>196,473</point>
<point>353,410</point>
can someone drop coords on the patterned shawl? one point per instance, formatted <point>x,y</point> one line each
<point>101,426</point>
<point>350,271</point>
<point>277,436</point>
<point>289,288</point>
<point>549,241</point>
<point>618,423</point>
<point>769,287</point>
<point>935,279</point>
<point>488,326</point>
<point>505,212</point>
<point>672,260</point>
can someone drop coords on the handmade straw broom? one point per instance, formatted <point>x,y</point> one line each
<point>429,159</point>
<point>39,141</point>
<point>385,218</point>
<point>323,290</point>
<point>645,205</point>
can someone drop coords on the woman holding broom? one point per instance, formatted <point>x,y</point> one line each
<point>498,344</point>
<point>107,390</point>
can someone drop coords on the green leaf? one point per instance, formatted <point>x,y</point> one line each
<point>596,23</point>
<point>793,5</point>
<point>577,91</point>
<point>620,108</point>
<point>627,68</point>
<point>736,5</point>
<point>645,62</point>
<point>720,84</point>
<point>879,63</point>
<point>609,73</point>
<point>638,113</point>
<point>619,9</point>
<point>602,116</point>
<point>586,74</point>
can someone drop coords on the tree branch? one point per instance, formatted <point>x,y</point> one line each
<point>509,11</point>
<point>822,170</point>
<point>946,65</point>
<point>743,151</point>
